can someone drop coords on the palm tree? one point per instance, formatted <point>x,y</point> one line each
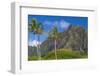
<point>55,36</point>
<point>37,29</point>
<point>39,32</point>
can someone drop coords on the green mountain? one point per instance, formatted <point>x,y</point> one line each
<point>74,38</point>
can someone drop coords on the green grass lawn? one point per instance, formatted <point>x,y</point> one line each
<point>61,54</point>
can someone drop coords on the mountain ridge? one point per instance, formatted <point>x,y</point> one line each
<point>75,38</point>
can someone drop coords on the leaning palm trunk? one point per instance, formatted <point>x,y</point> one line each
<point>55,50</point>
<point>37,49</point>
<point>39,52</point>
<point>81,47</point>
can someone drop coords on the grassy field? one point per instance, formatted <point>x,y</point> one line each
<point>61,54</point>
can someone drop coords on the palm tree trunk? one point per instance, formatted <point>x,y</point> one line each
<point>81,50</point>
<point>81,47</point>
<point>39,52</point>
<point>36,47</point>
<point>55,50</point>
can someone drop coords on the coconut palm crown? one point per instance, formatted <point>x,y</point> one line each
<point>36,28</point>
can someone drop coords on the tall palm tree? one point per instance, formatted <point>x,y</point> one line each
<point>37,29</point>
<point>39,32</point>
<point>54,34</point>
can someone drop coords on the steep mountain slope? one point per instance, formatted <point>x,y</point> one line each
<point>75,38</point>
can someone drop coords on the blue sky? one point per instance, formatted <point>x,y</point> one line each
<point>62,23</point>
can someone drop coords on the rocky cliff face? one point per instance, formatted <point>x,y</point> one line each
<point>75,38</point>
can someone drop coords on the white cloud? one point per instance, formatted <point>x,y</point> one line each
<point>55,23</point>
<point>47,22</point>
<point>64,24</point>
<point>34,43</point>
<point>50,23</point>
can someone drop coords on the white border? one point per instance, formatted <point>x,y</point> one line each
<point>20,65</point>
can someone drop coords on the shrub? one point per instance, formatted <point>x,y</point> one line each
<point>65,54</point>
<point>32,58</point>
<point>61,54</point>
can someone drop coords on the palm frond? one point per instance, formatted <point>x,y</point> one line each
<point>54,34</point>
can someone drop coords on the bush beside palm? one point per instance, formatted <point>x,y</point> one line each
<point>65,54</point>
<point>61,54</point>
